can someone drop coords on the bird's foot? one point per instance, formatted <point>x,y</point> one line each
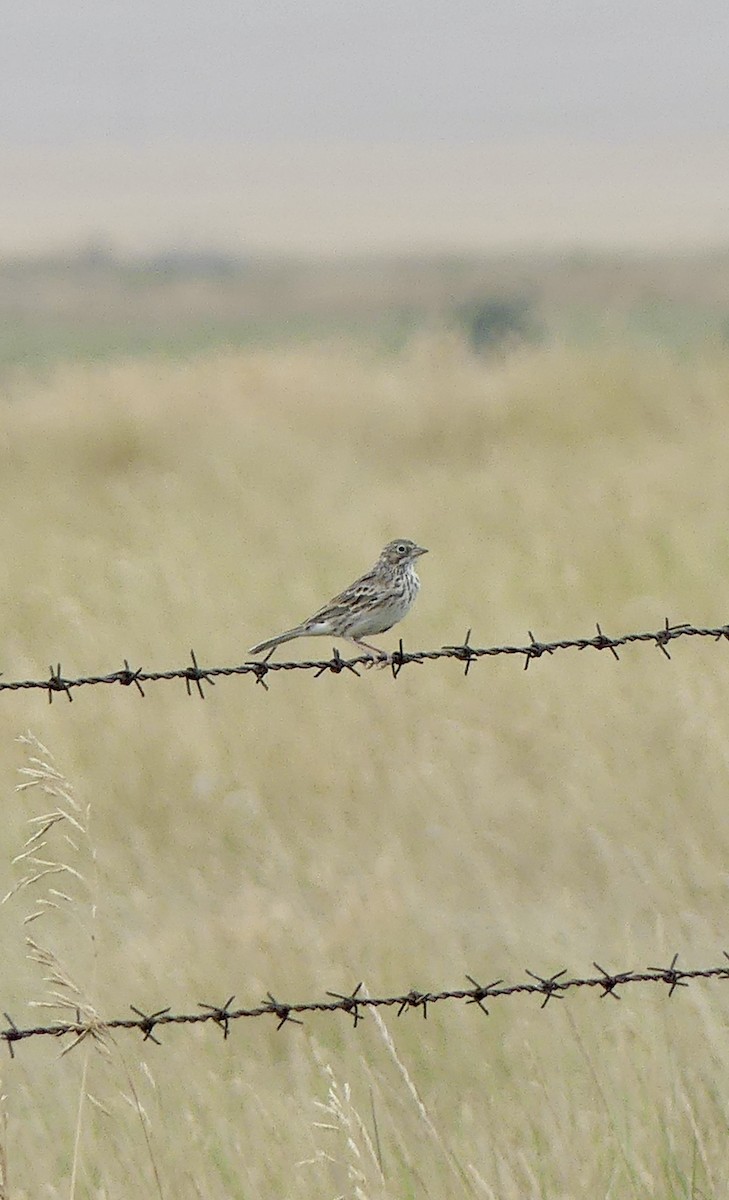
<point>379,659</point>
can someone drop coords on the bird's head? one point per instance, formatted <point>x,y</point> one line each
<point>400,552</point>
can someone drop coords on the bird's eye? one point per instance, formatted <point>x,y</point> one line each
<point>402,548</point>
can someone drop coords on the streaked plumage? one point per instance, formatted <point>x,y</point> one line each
<point>372,604</point>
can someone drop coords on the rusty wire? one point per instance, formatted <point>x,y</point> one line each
<point>355,1003</point>
<point>194,675</point>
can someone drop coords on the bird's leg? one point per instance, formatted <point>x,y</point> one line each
<point>377,655</point>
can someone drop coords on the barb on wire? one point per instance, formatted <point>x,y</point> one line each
<point>220,1015</point>
<point>194,675</point>
<point>355,1004</point>
<point>549,986</point>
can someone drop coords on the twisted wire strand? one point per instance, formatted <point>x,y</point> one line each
<point>194,675</point>
<point>355,1003</point>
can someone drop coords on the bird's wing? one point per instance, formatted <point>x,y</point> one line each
<point>342,604</point>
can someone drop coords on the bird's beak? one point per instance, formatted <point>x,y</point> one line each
<point>420,550</point>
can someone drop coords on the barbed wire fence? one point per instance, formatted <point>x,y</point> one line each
<point>195,676</point>
<point>356,1003</point>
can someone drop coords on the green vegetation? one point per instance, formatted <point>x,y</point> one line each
<point>496,323</point>
<point>94,307</point>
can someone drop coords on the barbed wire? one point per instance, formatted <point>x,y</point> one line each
<point>194,676</point>
<point>356,1003</point>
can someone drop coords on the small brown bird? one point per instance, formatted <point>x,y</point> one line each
<point>372,604</point>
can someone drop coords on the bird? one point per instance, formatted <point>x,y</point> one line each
<point>371,605</point>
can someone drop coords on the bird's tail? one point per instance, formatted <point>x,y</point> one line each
<point>287,636</point>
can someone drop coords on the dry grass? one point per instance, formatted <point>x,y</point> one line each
<point>400,833</point>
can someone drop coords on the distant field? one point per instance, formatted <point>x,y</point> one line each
<point>94,307</point>
<point>400,833</point>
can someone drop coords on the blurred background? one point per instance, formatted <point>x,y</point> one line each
<point>176,176</point>
<point>279,282</point>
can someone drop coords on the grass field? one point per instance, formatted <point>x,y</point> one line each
<point>402,833</point>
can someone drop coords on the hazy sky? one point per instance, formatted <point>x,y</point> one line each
<point>128,74</point>
<point>369,69</point>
